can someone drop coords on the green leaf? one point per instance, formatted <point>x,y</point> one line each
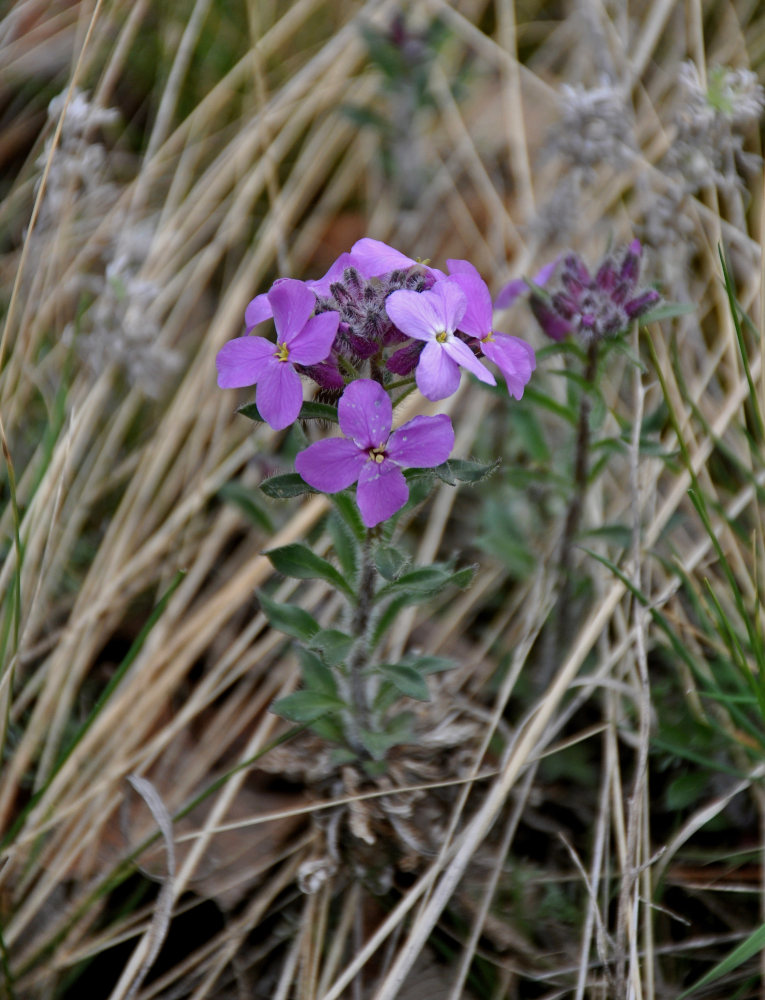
<point>289,619</point>
<point>317,676</point>
<point>346,507</point>
<point>430,664</point>
<point>308,411</point>
<point>686,790</point>
<point>245,500</point>
<point>531,435</point>
<point>390,561</point>
<point>311,410</point>
<point>329,728</point>
<point>465,471</point>
<point>286,486</point>
<point>398,730</point>
<point>425,581</point>
<point>302,563</point>
<point>306,706</point>
<point>619,534</point>
<point>568,413</point>
<point>667,310</point>
<point>333,645</point>
<point>408,680</point>
<point>345,545</point>
<point>746,950</point>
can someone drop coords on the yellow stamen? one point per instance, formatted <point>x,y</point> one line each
<point>442,337</point>
<point>283,353</point>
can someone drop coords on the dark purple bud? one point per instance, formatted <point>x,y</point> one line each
<point>564,304</point>
<point>325,374</point>
<point>574,266</point>
<point>404,361</point>
<point>554,325</point>
<point>641,303</point>
<point>353,280</point>
<point>606,277</point>
<point>630,269</point>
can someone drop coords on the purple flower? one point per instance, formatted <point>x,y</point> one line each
<point>513,356</point>
<point>433,316</point>
<point>376,258</point>
<point>302,339</point>
<point>513,289</point>
<point>591,308</point>
<point>372,455</point>
<point>260,308</point>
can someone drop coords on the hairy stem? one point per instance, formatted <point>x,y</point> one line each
<point>359,657</point>
<point>559,634</point>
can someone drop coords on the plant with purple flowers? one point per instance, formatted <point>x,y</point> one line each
<point>592,308</point>
<point>376,327</point>
<point>586,313</point>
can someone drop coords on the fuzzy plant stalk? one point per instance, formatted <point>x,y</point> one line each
<point>378,327</point>
<point>360,653</point>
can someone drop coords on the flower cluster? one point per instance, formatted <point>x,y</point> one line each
<point>708,148</point>
<point>591,308</point>
<point>594,128</point>
<point>376,323</point>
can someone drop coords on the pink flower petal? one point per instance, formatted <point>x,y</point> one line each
<point>413,314</point>
<point>331,464</point>
<point>437,376</point>
<point>279,395</point>
<point>242,361</point>
<point>377,258</point>
<point>462,355</point>
<point>365,413</point>
<point>321,285</point>
<point>382,490</point>
<point>513,289</point>
<point>514,358</point>
<point>292,303</point>
<point>258,310</point>
<point>462,267</point>
<point>478,316</point>
<point>422,442</point>
<point>313,343</point>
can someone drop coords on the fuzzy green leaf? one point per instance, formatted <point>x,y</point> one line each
<point>390,561</point>
<point>286,486</point>
<point>333,645</point>
<point>398,730</point>
<point>308,411</point>
<point>289,619</point>
<point>408,680</point>
<point>317,676</point>
<point>465,471</point>
<point>346,507</point>
<point>248,502</point>
<point>424,581</point>
<point>306,706</point>
<point>430,664</point>
<point>302,563</point>
<point>345,545</point>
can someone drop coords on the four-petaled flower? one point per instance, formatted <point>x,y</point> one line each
<point>372,455</point>
<point>302,339</point>
<point>513,356</point>
<point>433,316</point>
